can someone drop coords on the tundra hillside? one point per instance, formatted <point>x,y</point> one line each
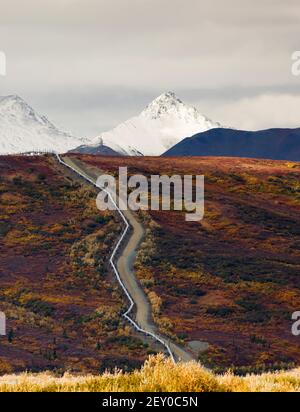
<point>62,304</point>
<point>232,279</point>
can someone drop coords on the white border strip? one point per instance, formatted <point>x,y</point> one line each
<point>111,260</point>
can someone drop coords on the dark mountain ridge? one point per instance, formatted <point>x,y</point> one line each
<point>276,144</point>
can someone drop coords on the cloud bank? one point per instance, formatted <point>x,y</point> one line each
<point>91,64</point>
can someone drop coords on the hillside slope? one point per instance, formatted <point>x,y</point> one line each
<point>277,144</point>
<point>61,302</point>
<point>232,279</point>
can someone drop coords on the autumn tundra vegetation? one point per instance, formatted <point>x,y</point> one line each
<point>158,374</point>
<point>61,302</point>
<point>230,281</point>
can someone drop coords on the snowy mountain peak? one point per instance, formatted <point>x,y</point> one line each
<point>163,105</point>
<point>14,101</point>
<point>14,104</point>
<point>161,125</point>
<point>169,105</point>
<point>168,99</point>
<point>22,129</point>
<point>11,98</point>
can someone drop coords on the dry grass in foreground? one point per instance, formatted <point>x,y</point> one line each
<point>157,375</point>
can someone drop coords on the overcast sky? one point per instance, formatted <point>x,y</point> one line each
<point>90,64</point>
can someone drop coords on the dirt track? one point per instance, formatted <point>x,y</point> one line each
<point>125,264</point>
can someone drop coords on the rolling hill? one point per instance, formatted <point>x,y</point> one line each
<point>276,144</point>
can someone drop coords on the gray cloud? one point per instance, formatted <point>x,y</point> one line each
<point>89,64</point>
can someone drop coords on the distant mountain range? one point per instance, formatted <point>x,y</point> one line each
<point>22,129</point>
<point>160,129</point>
<point>162,124</point>
<point>276,144</point>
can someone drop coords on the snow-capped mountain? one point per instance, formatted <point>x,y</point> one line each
<point>164,122</point>
<point>24,130</point>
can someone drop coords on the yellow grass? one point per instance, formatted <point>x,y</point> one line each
<point>157,374</point>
